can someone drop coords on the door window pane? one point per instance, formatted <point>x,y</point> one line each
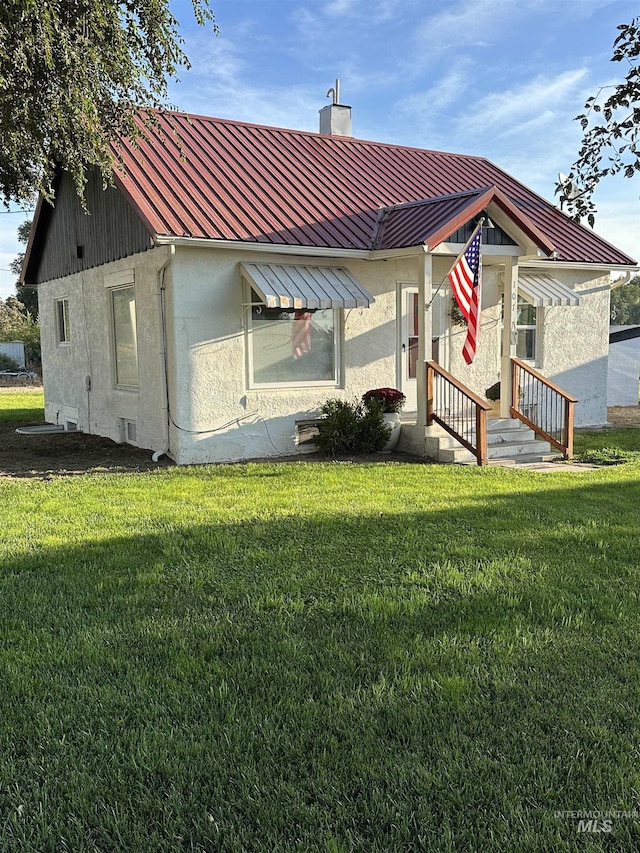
<point>412,354</point>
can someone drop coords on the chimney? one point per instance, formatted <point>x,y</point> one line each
<point>335,119</point>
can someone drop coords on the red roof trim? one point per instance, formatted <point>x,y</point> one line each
<point>455,210</point>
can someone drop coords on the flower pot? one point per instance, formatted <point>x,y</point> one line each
<point>392,419</point>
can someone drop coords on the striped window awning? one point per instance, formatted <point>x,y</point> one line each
<point>542,290</point>
<point>303,287</point>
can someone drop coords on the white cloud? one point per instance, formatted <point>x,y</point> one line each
<point>543,94</point>
<point>463,24</point>
<point>337,8</point>
<point>617,218</point>
<point>445,92</point>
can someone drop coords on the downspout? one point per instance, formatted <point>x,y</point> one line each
<point>163,352</point>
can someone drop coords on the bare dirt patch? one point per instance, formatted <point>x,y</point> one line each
<point>624,416</point>
<point>68,454</point>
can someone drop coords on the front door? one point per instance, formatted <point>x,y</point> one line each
<point>408,346</point>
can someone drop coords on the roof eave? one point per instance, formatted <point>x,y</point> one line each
<point>269,248</point>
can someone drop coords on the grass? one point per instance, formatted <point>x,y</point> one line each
<point>21,406</point>
<point>607,447</point>
<point>328,657</point>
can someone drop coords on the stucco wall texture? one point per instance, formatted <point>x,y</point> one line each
<point>214,415</point>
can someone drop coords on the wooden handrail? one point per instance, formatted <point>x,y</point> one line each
<point>558,406</point>
<point>456,422</point>
<point>544,380</point>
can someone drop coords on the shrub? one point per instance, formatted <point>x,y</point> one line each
<point>372,431</point>
<point>8,363</point>
<point>348,428</point>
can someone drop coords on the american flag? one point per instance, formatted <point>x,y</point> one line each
<point>301,334</point>
<point>465,279</point>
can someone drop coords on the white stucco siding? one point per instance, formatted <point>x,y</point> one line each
<point>89,353</point>
<point>485,370</point>
<point>218,416</point>
<point>575,345</point>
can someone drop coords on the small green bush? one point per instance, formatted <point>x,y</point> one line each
<point>8,363</point>
<point>372,432</point>
<point>607,456</point>
<point>348,428</point>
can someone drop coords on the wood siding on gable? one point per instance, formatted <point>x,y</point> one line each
<point>75,241</point>
<point>490,236</point>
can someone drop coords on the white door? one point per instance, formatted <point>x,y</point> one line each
<point>408,346</point>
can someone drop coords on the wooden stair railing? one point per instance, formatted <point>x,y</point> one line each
<point>543,406</point>
<point>457,410</point>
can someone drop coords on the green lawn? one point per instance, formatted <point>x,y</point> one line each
<point>329,657</point>
<point>20,406</point>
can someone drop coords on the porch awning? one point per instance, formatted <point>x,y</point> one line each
<point>542,290</point>
<point>299,287</point>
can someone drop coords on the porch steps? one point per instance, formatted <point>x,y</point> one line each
<point>509,442</point>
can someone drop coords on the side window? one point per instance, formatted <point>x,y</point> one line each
<point>288,347</point>
<point>63,328</point>
<point>125,338</point>
<point>527,327</point>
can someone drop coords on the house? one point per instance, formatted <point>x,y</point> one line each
<point>236,276</point>
<point>624,366</point>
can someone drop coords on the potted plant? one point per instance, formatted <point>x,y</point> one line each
<point>493,396</point>
<point>388,401</point>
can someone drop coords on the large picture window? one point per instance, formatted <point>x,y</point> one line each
<point>125,339</point>
<point>291,347</point>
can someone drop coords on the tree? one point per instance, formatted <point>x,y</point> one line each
<point>27,295</point>
<point>17,324</point>
<point>72,75</point>
<point>625,304</point>
<point>610,131</point>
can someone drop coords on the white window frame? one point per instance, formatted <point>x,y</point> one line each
<point>275,386</point>
<point>114,342</point>
<point>535,327</point>
<point>63,324</point>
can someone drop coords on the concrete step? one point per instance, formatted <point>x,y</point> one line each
<point>506,435</point>
<point>525,459</point>
<point>509,442</point>
<point>462,456</point>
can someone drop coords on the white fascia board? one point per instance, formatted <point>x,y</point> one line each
<point>270,248</point>
<point>453,250</point>
<point>575,265</point>
<point>388,254</point>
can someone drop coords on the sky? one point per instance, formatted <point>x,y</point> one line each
<point>502,79</point>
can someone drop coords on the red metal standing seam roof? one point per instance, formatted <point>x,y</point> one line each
<point>433,220</point>
<point>211,178</point>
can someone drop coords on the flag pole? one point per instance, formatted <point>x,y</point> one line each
<point>465,279</point>
<point>468,243</point>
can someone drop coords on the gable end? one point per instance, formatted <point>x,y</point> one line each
<point>67,240</point>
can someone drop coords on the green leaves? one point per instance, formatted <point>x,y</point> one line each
<point>625,303</point>
<point>601,153</point>
<point>71,77</point>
